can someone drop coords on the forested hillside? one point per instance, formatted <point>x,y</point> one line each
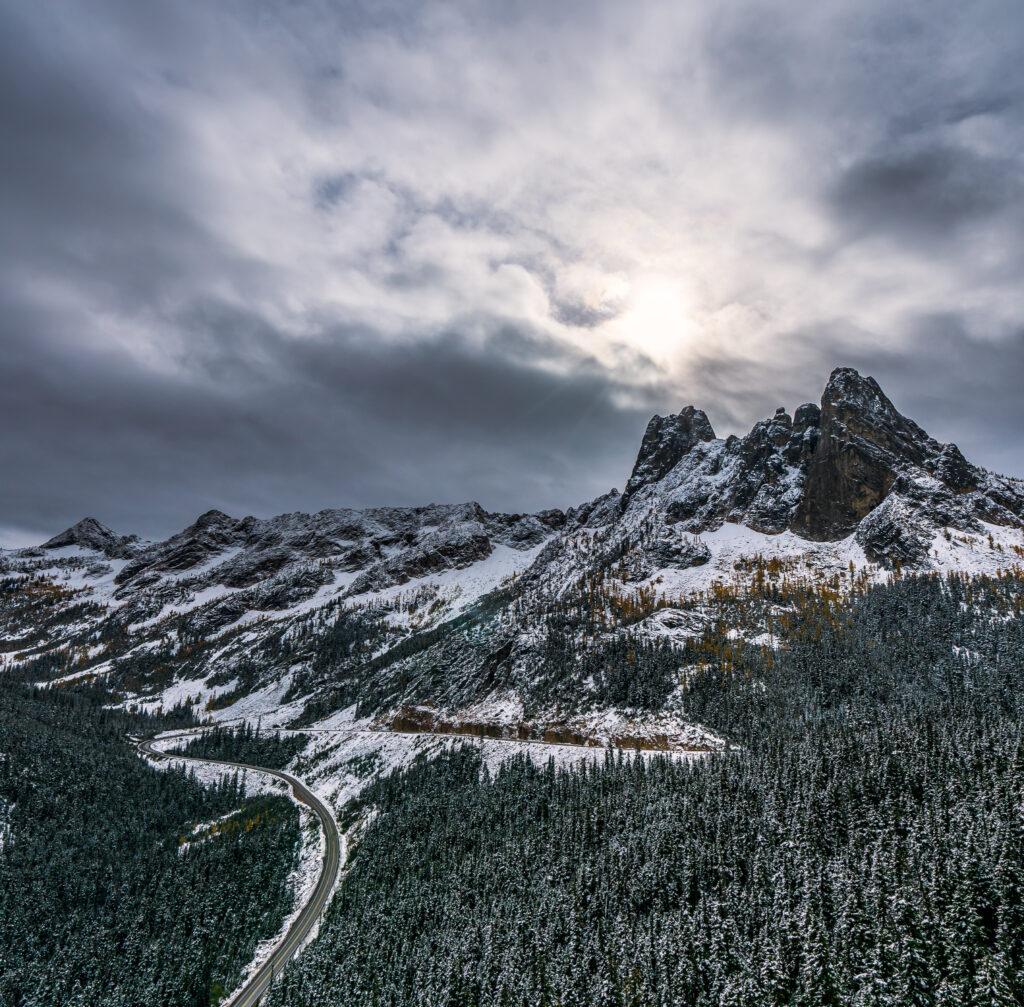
<point>862,845</point>
<point>109,894</point>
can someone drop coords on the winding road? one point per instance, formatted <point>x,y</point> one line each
<point>288,947</point>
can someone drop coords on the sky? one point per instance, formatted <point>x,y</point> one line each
<point>269,256</point>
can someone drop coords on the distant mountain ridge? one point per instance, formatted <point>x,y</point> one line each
<point>388,545</point>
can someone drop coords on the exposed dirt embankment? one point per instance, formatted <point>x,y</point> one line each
<point>424,720</point>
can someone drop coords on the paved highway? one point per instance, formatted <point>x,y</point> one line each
<point>251,992</point>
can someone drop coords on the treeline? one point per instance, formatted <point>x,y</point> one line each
<point>864,846</point>
<point>107,896</point>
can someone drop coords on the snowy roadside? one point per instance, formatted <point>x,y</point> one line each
<point>252,780</point>
<point>302,881</point>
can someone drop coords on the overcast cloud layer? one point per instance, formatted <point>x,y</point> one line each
<point>270,256</point>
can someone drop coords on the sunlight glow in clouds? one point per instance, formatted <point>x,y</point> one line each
<point>657,319</point>
<point>653,185</point>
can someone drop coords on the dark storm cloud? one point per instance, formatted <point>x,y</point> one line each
<point>927,194</point>
<point>85,172</point>
<point>268,256</point>
<point>95,197</point>
<point>263,424</point>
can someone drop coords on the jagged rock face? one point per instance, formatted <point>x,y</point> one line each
<point>890,534</point>
<point>862,444</point>
<point>660,547</point>
<point>868,453</point>
<point>807,417</point>
<point>770,463</point>
<point>441,549</point>
<point>820,474</point>
<point>90,534</point>
<point>667,440</point>
<point>754,480</point>
<point>596,513</point>
<point>956,471</point>
<point>680,551</point>
<point>212,533</point>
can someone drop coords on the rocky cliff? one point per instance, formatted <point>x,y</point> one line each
<point>854,464</point>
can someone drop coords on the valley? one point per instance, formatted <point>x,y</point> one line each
<point>564,751</point>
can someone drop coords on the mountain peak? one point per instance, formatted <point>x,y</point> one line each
<point>864,443</point>
<point>90,534</point>
<point>213,519</point>
<point>667,440</point>
<point>850,394</point>
<point>820,474</point>
<point>848,384</point>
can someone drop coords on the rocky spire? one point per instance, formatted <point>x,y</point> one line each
<point>666,441</point>
<point>864,443</point>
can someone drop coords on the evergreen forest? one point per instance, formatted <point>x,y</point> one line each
<point>246,744</point>
<point>122,885</point>
<point>860,843</point>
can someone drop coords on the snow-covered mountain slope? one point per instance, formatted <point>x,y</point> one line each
<point>579,626</point>
<point>385,546</point>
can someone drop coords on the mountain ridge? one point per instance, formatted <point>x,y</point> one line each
<point>819,473</point>
<point>545,622</point>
